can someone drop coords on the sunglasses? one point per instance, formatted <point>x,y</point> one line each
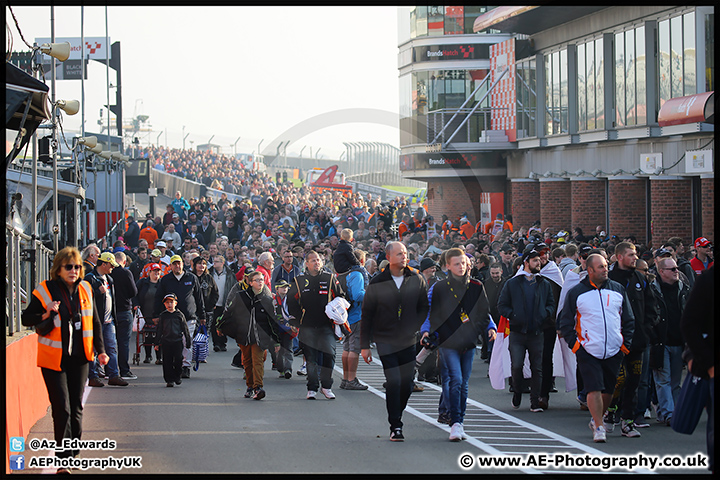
<point>673,269</point>
<point>70,267</point>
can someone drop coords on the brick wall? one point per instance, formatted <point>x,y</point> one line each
<point>458,196</point>
<point>587,208</point>
<point>555,201</point>
<point>525,202</point>
<point>671,209</point>
<point>708,208</point>
<point>628,207</point>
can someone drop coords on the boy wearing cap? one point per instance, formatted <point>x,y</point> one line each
<point>286,332</point>
<point>171,329</point>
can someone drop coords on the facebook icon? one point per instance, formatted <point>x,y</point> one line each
<point>17,462</point>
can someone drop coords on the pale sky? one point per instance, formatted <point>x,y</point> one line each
<point>249,72</point>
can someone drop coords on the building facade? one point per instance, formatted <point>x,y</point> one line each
<point>556,114</point>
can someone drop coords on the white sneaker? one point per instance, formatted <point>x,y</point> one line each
<point>456,432</point>
<point>311,395</point>
<point>599,435</point>
<point>328,393</point>
<point>302,371</point>
<point>648,414</point>
<point>462,432</point>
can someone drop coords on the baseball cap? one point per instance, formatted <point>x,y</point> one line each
<point>661,252</point>
<point>281,284</point>
<point>170,295</point>
<point>156,253</point>
<point>176,258</point>
<point>108,257</point>
<point>427,263</point>
<point>584,250</point>
<point>175,215</point>
<point>155,266</point>
<point>507,248</point>
<point>702,242</point>
<point>160,243</point>
<point>528,254</point>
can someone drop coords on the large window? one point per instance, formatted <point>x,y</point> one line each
<point>630,95</point>
<point>441,20</point>
<point>454,20</point>
<point>590,85</point>
<point>435,20</point>
<point>556,93</point>
<point>676,57</point>
<point>526,98</point>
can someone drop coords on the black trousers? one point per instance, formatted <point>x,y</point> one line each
<point>218,340</point>
<point>399,367</point>
<point>625,396</point>
<point>65,389</point>
<point>549,337</point>
<point>172,360</point>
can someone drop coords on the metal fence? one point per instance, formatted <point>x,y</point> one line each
<point>28,262</point>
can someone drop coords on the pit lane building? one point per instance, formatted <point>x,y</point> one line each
<point>574,116</point>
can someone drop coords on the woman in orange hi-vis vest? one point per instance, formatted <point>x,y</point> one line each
<point>63,312</point>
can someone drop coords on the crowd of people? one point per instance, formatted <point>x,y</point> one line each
<point>263,272</point>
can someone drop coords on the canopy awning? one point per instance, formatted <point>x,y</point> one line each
<point>698,108</point>
<point>23,91</point>
<point>530,19</point>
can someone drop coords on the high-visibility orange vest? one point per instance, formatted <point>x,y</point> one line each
<point>50,345</point>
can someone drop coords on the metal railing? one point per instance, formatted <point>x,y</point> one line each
<point>28,262</point>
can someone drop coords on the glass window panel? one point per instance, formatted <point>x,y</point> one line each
<point>564,96</point>
<point>548,95</point>
<point>630,78</point>
<point>620,109</point>
<point>690,83</point>
<point>640,72</point>
<point>422,27</point>
<point>599,85</point>
<point>582,88</point>
<point>556,92</point>
<point>664,60</point>
<point>710,52</point>
<point>435,20</point>
<point>591,93</point>
<point>676,62</point>
<point>413,21</point>
<point>454,20</point>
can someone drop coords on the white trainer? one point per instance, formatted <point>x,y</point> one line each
<point>456,432</point>
<point>311,395</point>
<point>328,393</point>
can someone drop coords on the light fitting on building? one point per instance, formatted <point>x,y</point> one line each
<point>61,51</point>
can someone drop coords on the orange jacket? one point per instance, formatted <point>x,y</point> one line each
<point>49,353</point>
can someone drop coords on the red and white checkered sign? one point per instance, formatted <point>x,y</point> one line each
<point>503,96</point>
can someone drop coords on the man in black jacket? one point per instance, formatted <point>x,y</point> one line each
<point>528,304</point>
<point>125,290</point>
<point>306,301</point>
<point>459,313</point>
<point>132,234</point>
<point>394,308</point>
<point>186,287</point>
<point>645,311</point>
<point>104,295</point>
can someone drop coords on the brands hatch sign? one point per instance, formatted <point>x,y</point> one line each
<point>420,161</point>
<point>434,53</point>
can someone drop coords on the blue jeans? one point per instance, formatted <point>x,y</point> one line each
<point>456,369</point>
<point>667,381</point>
<point>124,333</point>
<point>111,350</point>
